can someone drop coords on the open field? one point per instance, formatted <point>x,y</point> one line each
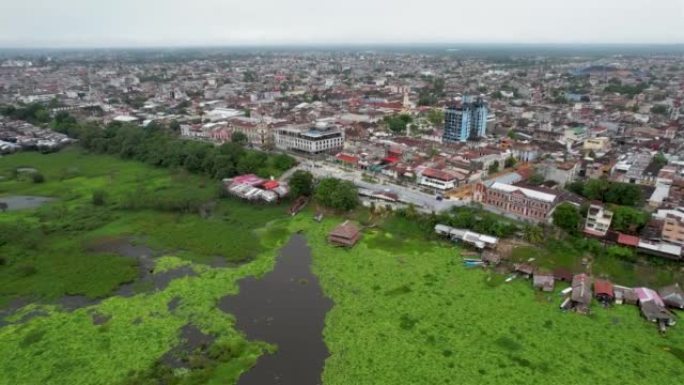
<point>405,309</point>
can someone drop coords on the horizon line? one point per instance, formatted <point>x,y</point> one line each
<point>341,44</point>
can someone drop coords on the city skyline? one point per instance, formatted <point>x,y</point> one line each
<point>156,23</point>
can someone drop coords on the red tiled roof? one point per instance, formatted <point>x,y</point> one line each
<point>628,240</point>
<point>439,174</point>
<point>347,158</point>
<point>602,286</point>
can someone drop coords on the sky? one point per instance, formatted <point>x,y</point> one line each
<point>155,23</point>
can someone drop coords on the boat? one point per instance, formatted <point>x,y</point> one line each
<point>473,263</point>
<point>566,291</point>
<point>472,260</point>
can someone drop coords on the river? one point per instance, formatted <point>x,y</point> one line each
<point>287,308</point>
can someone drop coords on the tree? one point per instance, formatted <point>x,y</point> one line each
<point>99,197</point>
<point>533,234</point>
<point>251,162</point>
<point>567,217</point>
<point>174,126</point>
<point>659,109</point>
<point>628,219</point>
<point>659,161</point>
<point>436,116</point>
<point>301,183</point>
<point>536,179</point>
<point>494,167</point>
<point>398,123</point>
<point>510,162</point>
<point>337,194</point>
<point>239,138</point>
<point>37,177</point>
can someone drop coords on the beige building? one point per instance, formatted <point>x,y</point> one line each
<point>673,229</point>
<point>600,144</point>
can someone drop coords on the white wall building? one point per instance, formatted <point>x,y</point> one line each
<point>598,220</point>
<point>439,179</point>
<point>319,139</point>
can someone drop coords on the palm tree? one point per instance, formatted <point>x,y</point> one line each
<point>533,234</point>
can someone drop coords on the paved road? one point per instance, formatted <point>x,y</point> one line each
<point>425,202</point>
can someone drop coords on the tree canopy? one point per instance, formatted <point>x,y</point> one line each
<point>609,192</point>
<point>398,123</point>
<point>239,138</point>
<point>159,146</point>
<point>567,217</point>
<point>337,194</point>
<point>494,167</point>
<point>301,183</point>
<point>628,219</point>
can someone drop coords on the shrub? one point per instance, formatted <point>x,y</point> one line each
<point>37,177</point>
<point>99,197</point>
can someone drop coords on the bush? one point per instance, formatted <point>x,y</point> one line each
<point>99,197</point>
<point>37,177</point>
<point>26,271</point>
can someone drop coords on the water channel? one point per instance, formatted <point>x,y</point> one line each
<point>287,308</point>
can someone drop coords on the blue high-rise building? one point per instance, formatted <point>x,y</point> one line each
<point>465,121</point>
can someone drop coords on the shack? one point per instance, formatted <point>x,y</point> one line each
<point>491,258</point>
<point>581,292</point>
<point>543,281</point>
<point>656,313</point>
<point>604,291</point>
<point>346,234</point>
<point>625,295</point>
<point>524,268</point>
<point>672,296</point>
<point>562,274</point>
<point>480,241</point>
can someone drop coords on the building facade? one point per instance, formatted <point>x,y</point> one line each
<point>519,202</point>
<point>438,179</point>
<point>598,220</point>
<point>673,229</point>
<point>465,121</point>
<point>310,140</point>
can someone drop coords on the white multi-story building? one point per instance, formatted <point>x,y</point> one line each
<point>598,220</point>
<point>439,179</point>
<point>322,138</point>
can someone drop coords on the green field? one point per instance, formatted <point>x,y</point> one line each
<point>406,310</point>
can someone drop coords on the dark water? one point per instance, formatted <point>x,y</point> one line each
<point>21,202</point>
<point>286,308</point>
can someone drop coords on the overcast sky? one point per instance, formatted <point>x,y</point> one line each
<point>116,23</point>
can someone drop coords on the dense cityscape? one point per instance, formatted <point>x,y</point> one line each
<point>550,183</point>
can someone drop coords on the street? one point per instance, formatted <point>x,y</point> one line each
<point>423,201</point>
